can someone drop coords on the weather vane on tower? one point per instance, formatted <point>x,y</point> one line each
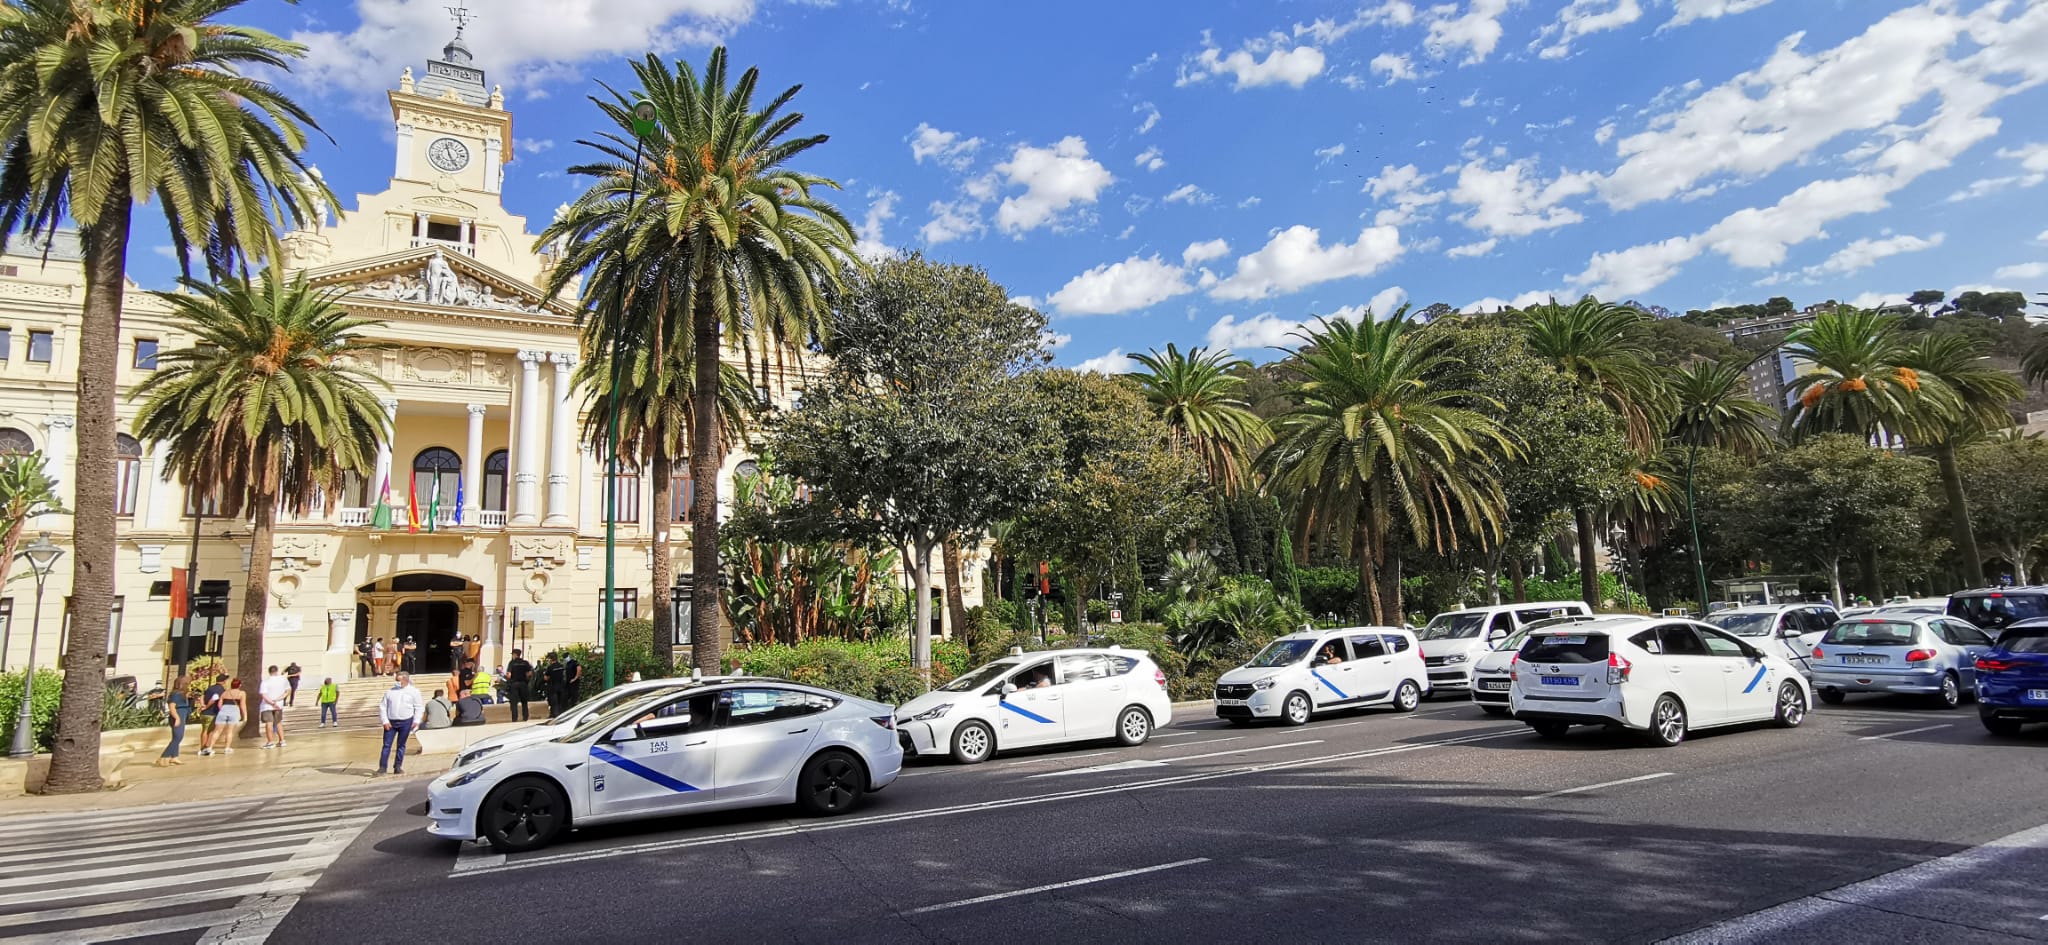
<point>460,11</point>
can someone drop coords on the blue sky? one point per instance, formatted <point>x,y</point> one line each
<point>1216,173</point>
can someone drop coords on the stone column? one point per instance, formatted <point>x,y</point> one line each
<point>561,440</point>
<point>156,496</point>
<point>404,166</point>
<point>57,441</point>
<point>380,482</point>
<point>473,468</point>
<point>491,161</point>
<point>526,471</point>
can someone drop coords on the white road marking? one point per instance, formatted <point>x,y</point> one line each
<point>1167,761</point>
<point>1910,731</point>
<point>1242,751</point>
<point>1594,787</point>
<point>1049,887</point>
<point>1114,766</point>
<point>1159,735</point>
<point>1045,758</point>
<point>477,854</point>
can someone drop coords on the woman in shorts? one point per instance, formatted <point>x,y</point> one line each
<point>234,707</point>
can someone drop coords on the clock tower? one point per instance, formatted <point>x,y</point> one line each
<point>452,134</point>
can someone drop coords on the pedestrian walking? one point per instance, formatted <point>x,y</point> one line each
<point>377,654</point>
<point>519,686</point>
<point>270,697</point>
<point>180,705</point>
<point>209,704</point>
<point>330,703</point>
<point>364,650</point>
<point>400,711</point>
<point>551,684</point>
<point>234,707</point>
<point>291,675</point>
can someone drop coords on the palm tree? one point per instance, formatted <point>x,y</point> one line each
<point>1599,345</point>
<point>1197,394</point>
<point>1855,382</point>
<point>103,105</point>
<point>1973,398</point>
<point>26,492</point>
<point>266,407</point>
<point>727,238</point>
<point>1711,408</point>
<point>1372,447</point>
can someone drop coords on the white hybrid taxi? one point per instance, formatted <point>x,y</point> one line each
<point>1311,671</point>
<point>737,743</point>
<point>1040,698</point>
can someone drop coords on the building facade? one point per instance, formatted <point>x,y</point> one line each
<point>486,443</point>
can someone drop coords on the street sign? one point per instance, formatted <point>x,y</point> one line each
<point>1116,616</point>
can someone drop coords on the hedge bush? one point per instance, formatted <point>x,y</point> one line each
<point>879,670</point>
<point>42,714</point>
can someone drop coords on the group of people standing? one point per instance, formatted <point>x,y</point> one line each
<point>227,703</point>
<point>381,657</point>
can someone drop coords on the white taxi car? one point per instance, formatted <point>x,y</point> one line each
<point>1455,640</point>
<point>1039,698</point>
<point>560,725</point>
<point>1656,675</point>
<point>1490,682</point>
<point>742,743</point>
<point>1310,671</point>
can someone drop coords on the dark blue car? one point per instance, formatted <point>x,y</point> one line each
<point>2012,679</point>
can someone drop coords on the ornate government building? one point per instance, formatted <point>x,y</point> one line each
<point>485,419</point>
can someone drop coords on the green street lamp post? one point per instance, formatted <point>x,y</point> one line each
<point>643,125</point>
<point>42,558</point>
<point>1699,559</point>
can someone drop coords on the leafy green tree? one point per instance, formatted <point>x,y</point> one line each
<point>788,587</point>
<point>267,408</point>
<point>2007,479</point>
<point>1926,299</point>
<point>921,430</point>
<point>1970,398</point>
<point>1674,342</point>
<point>26,492</point>
<point>740,252</point>
<point>1198,397</point>
<point>1992,304</point>
<point>106,104</point>
<point>1373,450</point>
<point>1833,497</point>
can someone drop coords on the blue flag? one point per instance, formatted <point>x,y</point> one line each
<point>458,502</point>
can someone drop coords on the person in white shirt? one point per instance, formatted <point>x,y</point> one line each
<point>270,707</point>
<point>401,711</point>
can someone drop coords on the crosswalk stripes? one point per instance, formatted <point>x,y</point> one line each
<point>228,871</point>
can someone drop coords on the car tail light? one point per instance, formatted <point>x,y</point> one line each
<point>1159,677</point>
<point>1617,669</point>
<point>1514,667</point>
<point>1920,656</point>
<point>885,721</point>
<point>1986,664</point>
<point>1817,654</point>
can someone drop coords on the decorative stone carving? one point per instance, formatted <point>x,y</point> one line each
<point>405,82</point>
<point>291,557</point>
<point>436,366</point>
<point>536,585</point>
<point>540,552</point>
<point>446,203</point>
<point>437,283</point>
<point>498,368</point>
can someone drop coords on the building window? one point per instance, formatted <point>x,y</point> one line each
<point>127,474</point>
<point>625,603</point>
<point>14,442</point>
<point>145,354</point>
<point>209,508</point>
<point>6,343</point>
<point>628,492</point>
<point>40,346</point>
<point>495,466</point>
<point>679,608</point>
<point>10,271</point>
<point>208,623</point>
<point>681,497</point>
<point>437,476</point>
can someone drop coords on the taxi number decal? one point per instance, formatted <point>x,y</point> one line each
<point>656,748</point>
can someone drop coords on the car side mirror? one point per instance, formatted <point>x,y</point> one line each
<point>624,733</point>
<point>1005,691</point>
<point>1791,632</point>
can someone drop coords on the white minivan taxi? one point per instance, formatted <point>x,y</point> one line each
<point>1040,698</point>
<point>1454,641</point>
<point>1310,671</point>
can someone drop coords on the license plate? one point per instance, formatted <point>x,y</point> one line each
<point>1862,658</point>
<point>1231,701</point>
<point>1559,680</point>
<point>2038,695</point>
<point>1493,684</point>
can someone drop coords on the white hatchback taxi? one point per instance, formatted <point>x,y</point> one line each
<point>1310,671</point>
<point>742,743</point>
<point>1655,675</point>
<point>1040,698</point>
<point>1455,641</point>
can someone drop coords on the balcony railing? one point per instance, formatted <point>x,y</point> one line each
<point>365,517</point>
<point>468,249</point>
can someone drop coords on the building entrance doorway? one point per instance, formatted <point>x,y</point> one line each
<point>433,624</point>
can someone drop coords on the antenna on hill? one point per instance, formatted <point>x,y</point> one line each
<point>460,13</point>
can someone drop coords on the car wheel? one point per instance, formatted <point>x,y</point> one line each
<point>1951,694</point>
<point>1791,705</point>
<point>1833,696</point>
<point>2003,728</point>
<point>1494,709</point>
<point>523,814</point>
<point>1297,709</point>
<point>1133,727</point>
<point>1407,697</point>
<point>831,783</point>
<point>1667,721</point>
<point>1550,729</point>
<point>973,743</point>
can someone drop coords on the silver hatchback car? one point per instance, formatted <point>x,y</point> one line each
<point>1915,654</point>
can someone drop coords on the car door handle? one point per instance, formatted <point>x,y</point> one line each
<point>799,731</point>
<point>695,744</point>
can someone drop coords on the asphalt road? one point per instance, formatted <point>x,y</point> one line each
<point>1871,821</point>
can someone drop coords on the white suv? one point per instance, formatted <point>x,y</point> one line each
<point>1656,675</point>
<point>1303,673</point>
<point>1041,698</point>
<point>1455,640</point>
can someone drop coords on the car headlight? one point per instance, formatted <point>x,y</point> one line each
<point>1263,684</point>
<point>935,712</point>
<point>1448,660</point>
<point>478,755</point>
<point>468,776</point>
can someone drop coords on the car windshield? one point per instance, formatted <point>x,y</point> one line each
<point>2024,641</point>
<point>986,674</point>
<point>1515,642</point>
<point>606,721</point>
<point>1458,626</point>
<point>601,703</point>
<point>1998,610</point>
<point>1566,648</point>
<point>1871,633</point>
<point>1282,653</point>
<point>1743,625</point>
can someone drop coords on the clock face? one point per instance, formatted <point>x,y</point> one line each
<point>448,154</point>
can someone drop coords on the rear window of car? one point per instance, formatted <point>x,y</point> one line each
<point>2024,641</point>
<point>1998,610</point>
<point>1871,633</point>
<point>1566,648</point>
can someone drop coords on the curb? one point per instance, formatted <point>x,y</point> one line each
<point>1197,704</point>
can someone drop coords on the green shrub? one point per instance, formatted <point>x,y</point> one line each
<point>42,714</point>
<point>633,632</point>
<point>880,671</point>
<point>1329,591</point>
<point>118,715</point>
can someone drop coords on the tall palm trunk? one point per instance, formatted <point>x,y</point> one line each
<point>1390,593</point>
<point>663,468</point>
<point>1368,576</point>
<point>1589,565</point>
<point>956,596</point>
<point>256,598</point>
<point>707,640</point>
<point>75,762</point>
<point>1959,514</point>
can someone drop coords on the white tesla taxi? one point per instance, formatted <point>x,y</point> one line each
<point>736,743</point>
<point>1310,671</point>
<point>1657,675</point>
<point>1039,698</point>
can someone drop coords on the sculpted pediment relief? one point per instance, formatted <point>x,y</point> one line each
<point>437,282</point>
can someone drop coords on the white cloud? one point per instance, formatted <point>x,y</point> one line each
<point>1396,68</point>
<point>1326,31</point>
<point>1151,119</point>
<point>952,220</point>
<point>1403,188</point>
<point>533,146</point>
<point>1758,237</point>
<point>1638,269</point>
<point>2032,158</point>
<point>1383,303</point>
<point>1686,11</point>
<point>1477,31</point>
<point>1284,64</point>
<point>1055,340</point>
<point>529,42</point>
<point>1296,258</point>
<point>1248,202</point>
<point>1147,64</point>
<point>1876,299</point>
<point>1115,362</point>
<point>1583,18</point>
<point>167,252</point>
<point>1202,252</point>
<point>1188,194</point>
<point>1054,179</point>
<point>2042,238</point>
<point>1115,288</point>
<point>1025,300</point>
<point>1480,248</point>
<point>2033,270</point>
<point>945,148</point>
<point>1512,201</point>
<point>881,209</point>
<point>1326,155</point>
<point>1604,133</point>
<point>1150,159</point>
<point>1864,253</point>
<point>1494,303</point>
<point>1265,330</point>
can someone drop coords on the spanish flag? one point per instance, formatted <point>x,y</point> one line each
<point>412,504</point>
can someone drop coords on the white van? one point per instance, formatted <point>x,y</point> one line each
<point>1455,640</point>
<point>1309,671</point>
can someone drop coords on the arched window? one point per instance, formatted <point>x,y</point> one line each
<point>628,485</point>
<point>495,466</point>
<point>437,468</point>
<point>13,442</point>
<point>127,473</point>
